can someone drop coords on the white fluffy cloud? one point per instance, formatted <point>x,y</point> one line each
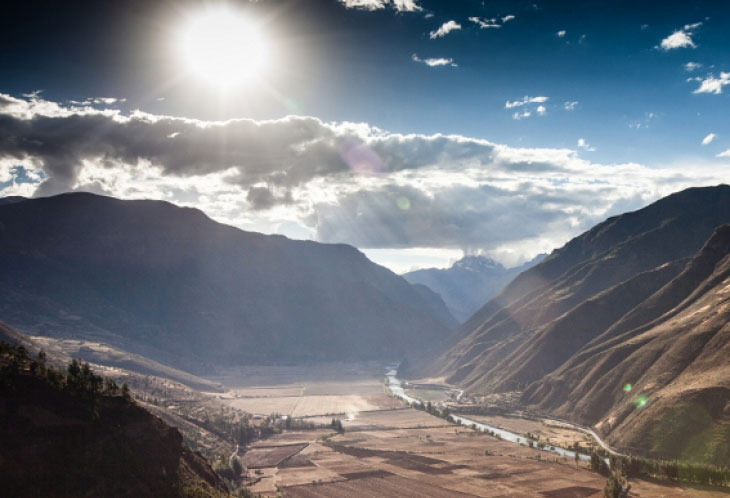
<point>710,84</point>
<point>525,101</point>
<point>725,153</point>
<point>435,61</point>
<point>570,105</point>
<point>561,33</point>
<point>445,29</point>
<point>399,5</point>
<point>585,145</point>
<point>691,66</point>
<point>531,108</point>
<point>491,23</point>
<point>334,182</point>
<point>682,38</point>
<point>708,139</point>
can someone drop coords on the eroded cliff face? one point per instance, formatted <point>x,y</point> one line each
<point>55,441</point>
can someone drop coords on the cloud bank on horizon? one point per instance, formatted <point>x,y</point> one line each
<point>332,182</point>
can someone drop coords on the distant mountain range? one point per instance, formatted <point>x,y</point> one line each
<point>624,328</point>
<point>468,283</point>
<point>173,285</point>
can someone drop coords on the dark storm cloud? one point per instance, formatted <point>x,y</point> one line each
<point>285,152</point>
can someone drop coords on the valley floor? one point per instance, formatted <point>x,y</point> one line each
<point>390,450</point>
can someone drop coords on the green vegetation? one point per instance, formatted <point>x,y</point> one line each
<point>673,470</point>
<point>617,485</point>
<point>337,425</point>
<point>78,380</point>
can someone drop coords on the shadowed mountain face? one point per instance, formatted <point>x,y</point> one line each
<point>61,436</point>
<point>172,284</point>
<point>637,301</point>
<point>468,283</point>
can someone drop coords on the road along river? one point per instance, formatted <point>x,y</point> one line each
<point>396,387</point>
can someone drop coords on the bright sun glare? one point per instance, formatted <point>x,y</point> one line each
<point>223,48</point>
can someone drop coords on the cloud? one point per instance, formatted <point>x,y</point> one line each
<point>524,101</point>
<point>570,105</point>
<point>561,33</point>
<point>398,5</point>
<point>585,145</point>
<point>708,139</point>
<point>682,38</point>
<point>445,29</point>
<point>691,66</point>
<point>341,182</point>
<point>540,110</point>
<point>435,61</point>
<point>710,84</point>
<point>643,123</point>
<point>491,23</point>
<point>725,153</point>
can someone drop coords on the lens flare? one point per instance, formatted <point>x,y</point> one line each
<point>641,401</point>
<point>403,203</point>
<point>360,158</point>
<point>627,388</point>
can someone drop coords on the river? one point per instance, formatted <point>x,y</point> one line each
<point>396,387</point>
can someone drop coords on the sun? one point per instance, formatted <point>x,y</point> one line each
<point>223,48</point>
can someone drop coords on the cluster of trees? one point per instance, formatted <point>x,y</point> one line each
<point>78,379</point>
<point>337,425</point>
<point>674,469</point>
<point>663,469</point>
<point>436,411</point>
<point>617,485</point>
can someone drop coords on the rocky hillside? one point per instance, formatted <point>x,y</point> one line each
<point>549,312</point>
<point>69,434</point>
<point>625,329</point>
<point>469,283</point>
<point>171,284</point>
<point>658,380</point>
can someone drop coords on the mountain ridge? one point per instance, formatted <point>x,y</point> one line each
<point>171,284</point>
<point>469,282</point>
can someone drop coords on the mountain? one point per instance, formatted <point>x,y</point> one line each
<point>659,378</point>
<point>61,436</point>
<point>437,305</point>
<point>639,301</point>
<point>482,353</point>
<point>171,284</point>
<point>468,283</point>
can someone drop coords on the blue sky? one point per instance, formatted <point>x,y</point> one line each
<point>519,82</point>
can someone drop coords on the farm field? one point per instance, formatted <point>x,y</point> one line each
<point>306,391</point>
<point>390,450</point>
<point>447,461</point>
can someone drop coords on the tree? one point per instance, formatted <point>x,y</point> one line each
<point>236,467</point>
<point>617,485</point>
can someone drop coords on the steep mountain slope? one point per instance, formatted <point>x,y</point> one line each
<point>527,330</point>
<point>437,305</point>
<point>61,436</point>
<point>171,284</point>
<point>469,282</point>
<point>662,388</point>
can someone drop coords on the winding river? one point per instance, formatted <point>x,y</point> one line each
<point>396,387</point>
